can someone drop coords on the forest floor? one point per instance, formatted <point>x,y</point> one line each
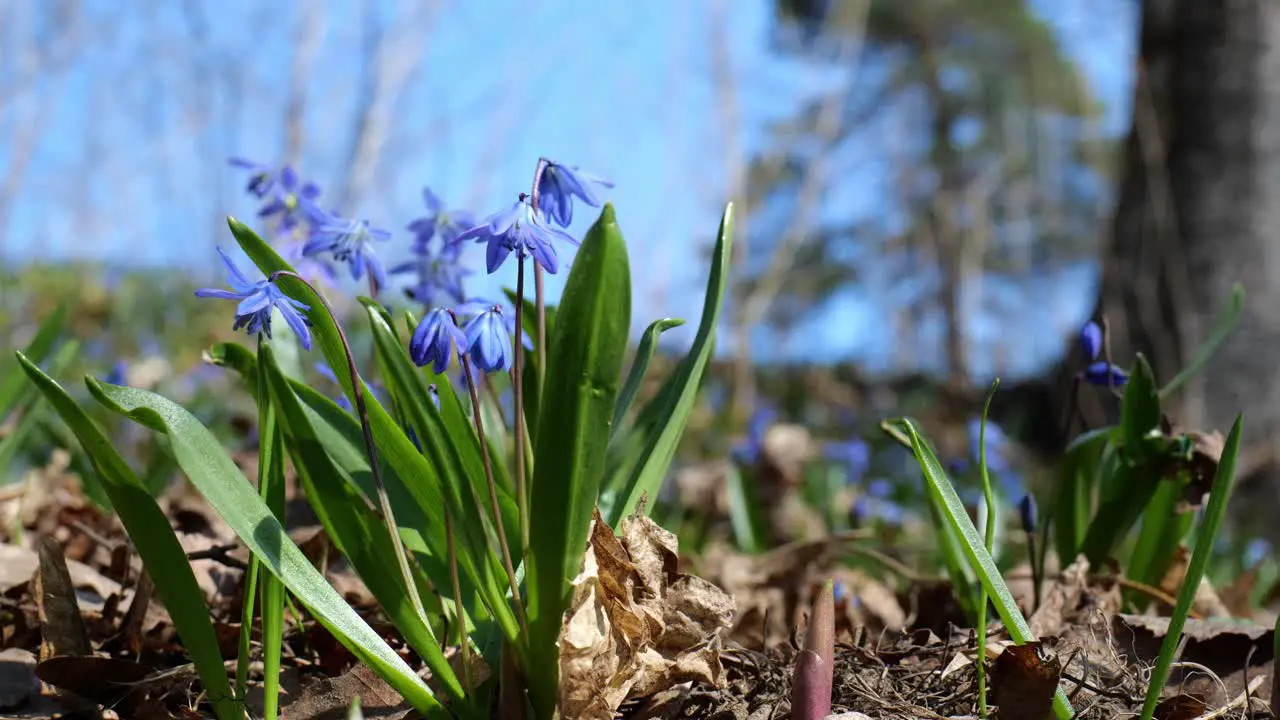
<point>70,580</point>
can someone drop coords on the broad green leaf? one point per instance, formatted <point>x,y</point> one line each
<point>357,531</point>
<point>216,476</point>
<point>389,437</point>
<point>271,490</point>
<point>1072,505</point>
<point>1163,530</point>
<point>1119,511</point>
<point>1214,512</point>
<point>1221,331</point>
<point>1140,410</point>
<point>155,541</point>
<point>640,365</point>
<point>340,435</point>
<point>955,516</point>
<point>584,359</point>
<point>677,399</point>
<point>12,381</point>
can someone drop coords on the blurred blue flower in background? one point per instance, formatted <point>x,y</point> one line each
<point>378,392</point>
<point>349,242</point>
<point>291,201</point>
<point>438,222</point>
<point>853,455</point>
<point>748,451</point>
<point>1255,551</point>
<point>262,178</point>
<point>559,184</point>
<point>257,300</point>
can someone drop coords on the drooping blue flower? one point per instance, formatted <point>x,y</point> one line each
<point>291,200</point>
<point>558,186</point>
<point>447,224</point>
<point>262,178</point>
<point>853,455</point>
<point>1091,339</point>
<point>434,339</point>
<point>519,229</point>
<point>257,300</point>
<point>349,242</point>
<point>1105,374</point>
<point>488,336</point>
<point>748,451</point>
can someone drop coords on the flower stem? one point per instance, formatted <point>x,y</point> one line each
<point>493,492</point>
<point>464,642</point>
<point>362,410</point>
<point>537,284</point>
<point>517,386</point>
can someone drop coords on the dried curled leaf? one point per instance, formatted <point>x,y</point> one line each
<point>636,626</point>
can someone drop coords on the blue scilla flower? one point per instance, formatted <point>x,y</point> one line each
<point>349,242</point>
<point>262,178</point>
<point>447,224</point>
<point>291,200</point>
<point>488,336</point>
<point>1105,374</point>
<point>853,455</point>
<point>439,274</point>
<point>519,229</point>
<point>257,300</point>
<point>1099,372</point>
<point>748,451</point>
<point>434,339</point>
<point>558,186</point>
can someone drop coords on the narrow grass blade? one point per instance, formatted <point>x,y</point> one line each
<point>988,539</point>
<point>244,646</point>
<point>155,541</point>
<point>584,359</point>
<point>1221,331</point>
<point>426,488</point>
<point>749,529</point>
<point>271,490</point>
<point>12,380</point>
<point>677,400</point>
<point>356,530</point>
<point>1213,514</point>
<point>640,366</point>
<point>208,467</point>
<point>940,488</point>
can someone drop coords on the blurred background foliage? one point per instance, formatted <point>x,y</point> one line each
<point>932,192</point>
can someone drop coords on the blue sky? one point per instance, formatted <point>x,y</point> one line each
<point>128,165</point>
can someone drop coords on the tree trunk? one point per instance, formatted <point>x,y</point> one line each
<point>1198,210</point>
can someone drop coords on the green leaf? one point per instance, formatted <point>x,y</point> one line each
<point>1072,505</point>
<point>584,358</point>
<point>1221,331</point>
<point>1135,486</point>
<point>948,502</point>
<point>1219,494</point>
<point>12,380</point>
<point>640,366</point>
<point>677,400</point>
<point>216,476</point>
<point>357,531</point>
<point>1162,533</point>
<point>155,541</point>
<point>393,444</point>
<point>749,528</point>
<point>1140,411</point>
<point>29,409</point>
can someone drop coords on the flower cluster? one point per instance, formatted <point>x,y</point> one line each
<point>314,240</point>
<point>309,236</point>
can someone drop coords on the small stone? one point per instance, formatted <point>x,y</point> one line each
<point>17,677</point>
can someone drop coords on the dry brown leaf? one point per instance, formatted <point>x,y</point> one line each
<point>330,698</point>
<point>636,626</point>
<point>1180,707</point>
<point>1023,681</point>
